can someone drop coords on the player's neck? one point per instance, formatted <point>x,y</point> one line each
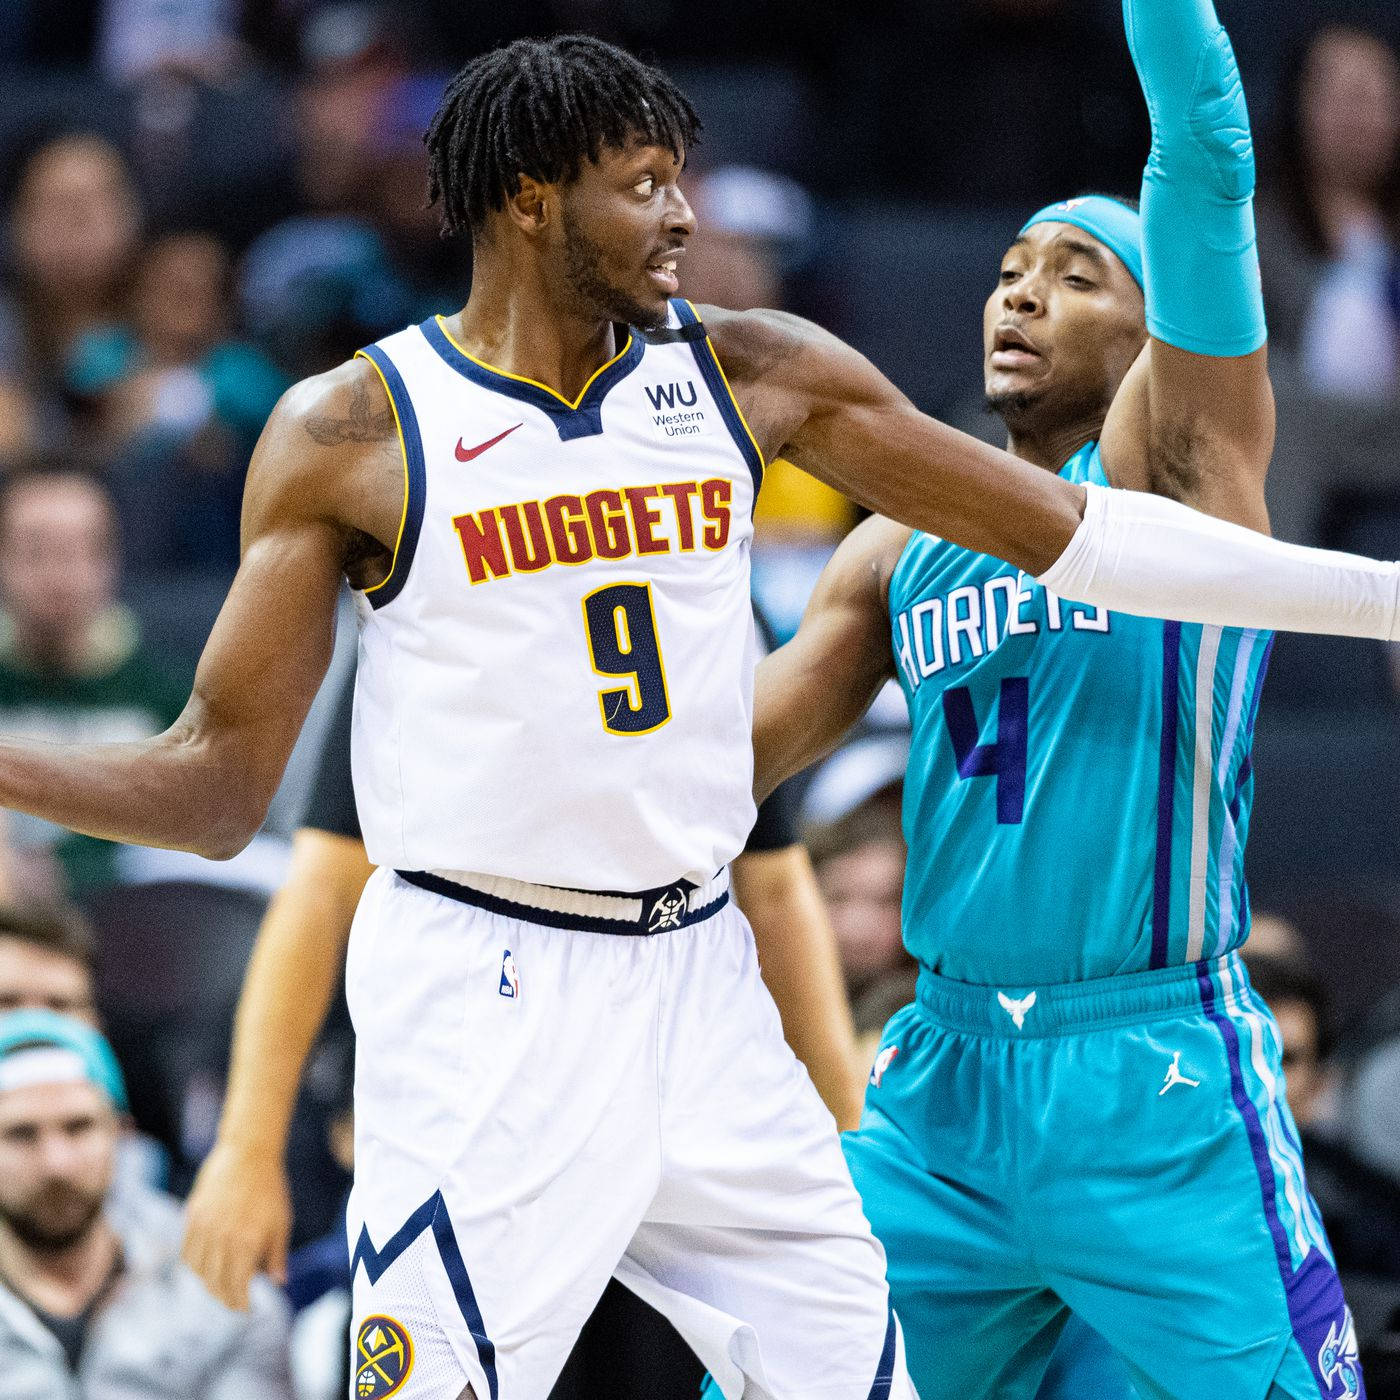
<point>513,323</point>
<point>1052,445</point>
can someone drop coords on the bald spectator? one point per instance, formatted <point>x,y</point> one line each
<point>94,1300</point>
<point>72,667</point>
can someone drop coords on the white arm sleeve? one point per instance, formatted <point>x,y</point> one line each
<point>1143,554</point>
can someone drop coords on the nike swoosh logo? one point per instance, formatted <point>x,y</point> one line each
<point>465,454</point>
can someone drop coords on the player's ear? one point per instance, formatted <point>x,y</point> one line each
<point>532,206</point>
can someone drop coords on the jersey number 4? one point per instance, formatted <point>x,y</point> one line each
<point>621,627</point>
<point>1004,760</point>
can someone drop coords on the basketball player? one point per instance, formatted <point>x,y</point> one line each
<point>567,1063</point>
<point>1083,1112</point>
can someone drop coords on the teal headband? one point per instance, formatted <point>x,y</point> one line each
<point>1117,226</point>
<point>42,1047</point>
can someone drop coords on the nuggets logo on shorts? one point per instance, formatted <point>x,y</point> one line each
<point>383,1358</point>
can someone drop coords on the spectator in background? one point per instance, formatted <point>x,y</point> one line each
<point>46,963</point>
<point>1272,936</point>
<point>1360,1206</point>
<point>74,228</point>
<point>72,667</point>
<point>1329,233</point>
<point>851,822</point>
<point>753,228</point>
<point>94,1299</point>
<point>179,403</point>
<point>319,284</point>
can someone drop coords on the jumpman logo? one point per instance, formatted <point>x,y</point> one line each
<point>1175,1076</point>
<point>1016,1009</point>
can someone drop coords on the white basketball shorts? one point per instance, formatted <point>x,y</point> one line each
<point>539,1107</point>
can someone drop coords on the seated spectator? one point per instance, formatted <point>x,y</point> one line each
<point>852,829</point>
<point>94,1299</point>
<point>72,668</point>
<point>754,229</point>
<point>1329,229</point>
<point>1360,1206</point>
<point>74,229</point>
<point>46,963</point>
<point>1272,936</point>
<point>319,284</point>
<point>179,403</point>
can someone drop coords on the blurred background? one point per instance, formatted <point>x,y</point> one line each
<point>203,200</point>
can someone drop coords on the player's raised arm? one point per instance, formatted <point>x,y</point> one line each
<point>809,692</point>
<point>828,409</point>
<point>205,783</point>
<point>1194,419</point>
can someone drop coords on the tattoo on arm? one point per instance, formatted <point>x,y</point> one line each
<point>363,421</point>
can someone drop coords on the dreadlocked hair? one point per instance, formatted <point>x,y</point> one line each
<point>541,107</point>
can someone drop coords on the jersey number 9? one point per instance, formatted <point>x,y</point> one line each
<point>621,627</point>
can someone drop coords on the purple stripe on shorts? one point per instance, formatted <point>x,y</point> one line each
<point>1317,1311</point>
<point>1166,792</point>
<point>1258,1145</point>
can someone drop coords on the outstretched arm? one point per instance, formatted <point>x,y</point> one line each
<point>808,693</point>
<point>816,400</point>
<point>205,784</point>
<point>1194,420</point>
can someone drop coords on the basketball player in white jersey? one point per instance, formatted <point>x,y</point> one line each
<point>568,1067</point>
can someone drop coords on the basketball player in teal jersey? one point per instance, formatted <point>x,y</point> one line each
<point>1083,1112</point>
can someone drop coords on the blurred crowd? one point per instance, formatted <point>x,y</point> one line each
<point>202,201</point>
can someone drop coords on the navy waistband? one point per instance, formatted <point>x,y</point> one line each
<point>640,914</point>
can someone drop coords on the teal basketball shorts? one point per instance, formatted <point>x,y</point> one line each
<point>1118,1149</point>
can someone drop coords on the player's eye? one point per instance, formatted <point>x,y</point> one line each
<point>1009,275</point>
<point>1079,283</point>
<point>645,185</point>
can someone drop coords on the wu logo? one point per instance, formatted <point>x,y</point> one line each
<point>672,395</point>
<point>1016,1009</point>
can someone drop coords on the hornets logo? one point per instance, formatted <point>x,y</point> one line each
<point>1338,1362</point>
<point>383,1358</point>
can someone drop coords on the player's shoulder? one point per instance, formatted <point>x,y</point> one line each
<point>343,405</point>
<point>330,442</point>
<point>753,343</point>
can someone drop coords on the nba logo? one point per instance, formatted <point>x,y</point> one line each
<point>510,980</point>
<point>882,1062</point>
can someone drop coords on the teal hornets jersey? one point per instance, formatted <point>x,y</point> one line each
<point>1079,783</point>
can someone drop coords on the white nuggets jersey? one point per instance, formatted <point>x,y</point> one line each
<point>555,680</point>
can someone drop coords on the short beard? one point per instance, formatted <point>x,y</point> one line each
<point>1013,409</point>
<point>32,1225</point>
<point>593,297</point>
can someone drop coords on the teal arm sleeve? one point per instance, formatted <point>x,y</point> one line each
<point>1200,262</point>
